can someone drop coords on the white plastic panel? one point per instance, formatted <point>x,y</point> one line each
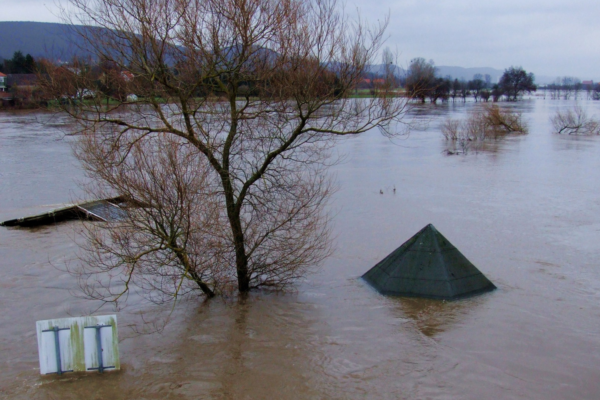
<point>78,344</point>
<point>91,347</point>
<point>48,364</point>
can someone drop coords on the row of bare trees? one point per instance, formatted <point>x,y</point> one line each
<point>568,87</point>
<point>422,83</point>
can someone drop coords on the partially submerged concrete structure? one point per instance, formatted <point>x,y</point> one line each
<point>428,265</point>
<point>97,210</point>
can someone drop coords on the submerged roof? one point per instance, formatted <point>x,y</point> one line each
<point>428,265</point>
<point>97,210</point>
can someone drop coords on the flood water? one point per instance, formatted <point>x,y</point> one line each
<point>525,211</point>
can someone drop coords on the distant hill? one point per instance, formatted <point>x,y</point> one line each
<point>41,39</point>
<point>468,73</point>
<point>61,42</point>
<point>380,69</point>
<point>443,71</point>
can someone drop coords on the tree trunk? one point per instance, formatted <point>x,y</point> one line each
<point>203,286</point>
<point>241,259</point>
<point>185,261</point>
<point>233,214</point>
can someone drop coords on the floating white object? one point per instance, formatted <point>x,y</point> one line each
<point>78,344</point>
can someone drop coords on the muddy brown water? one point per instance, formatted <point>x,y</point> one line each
<point>526,211</point>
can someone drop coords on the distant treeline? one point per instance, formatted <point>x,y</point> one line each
<point>18,64</point>
<point>570,87</point>
<point>106,80</point>
<point>423,84</point>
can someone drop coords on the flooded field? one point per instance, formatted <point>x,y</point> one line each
<point>525,210</point>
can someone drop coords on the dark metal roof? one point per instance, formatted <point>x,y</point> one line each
<point>98,210</point>
<point>428,265</point>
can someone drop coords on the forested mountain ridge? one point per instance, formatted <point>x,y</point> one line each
<point>61,42</point>
<point>40,39</point>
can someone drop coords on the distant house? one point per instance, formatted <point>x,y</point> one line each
<point>367,83</point>
<point>127,76</point>
<point>364,83</point>
<point>587,83</point>
<point>74,70</point>
<point>2,82</point>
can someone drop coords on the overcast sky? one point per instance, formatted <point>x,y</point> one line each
<point>547,37</point>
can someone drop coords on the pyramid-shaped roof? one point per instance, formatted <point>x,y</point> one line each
<point>428,265</point>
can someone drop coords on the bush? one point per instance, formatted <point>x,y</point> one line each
<point>485,123</point>
<point>488,122</point>
<point>575,122</point>
<point>503,122</point>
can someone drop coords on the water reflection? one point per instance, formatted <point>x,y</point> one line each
<point>460,147</point>
<point>246,348</point>
<point>574,142</point>
<point>432,317</point>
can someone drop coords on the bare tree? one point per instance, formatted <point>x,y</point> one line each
<point>171,234</point>
<point>485,95</point>
<point>455,89</point>
<point>420,79</point>
<point>476,86</point>
<point>575,122</point>
<point>515,81</point>
<point>464,90</point>
<point>389,60</point>
<point>258,89</point>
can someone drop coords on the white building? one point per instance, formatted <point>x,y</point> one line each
<point>2,82</point>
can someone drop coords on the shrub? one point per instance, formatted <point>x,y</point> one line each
<point>575,122</point>
<point>488,122</point>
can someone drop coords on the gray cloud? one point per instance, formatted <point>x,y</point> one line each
<point>29,10</point>
<point>547,37</point>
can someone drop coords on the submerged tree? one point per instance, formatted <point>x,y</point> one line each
<point>476,86</point>
<point>484,123</point>
<point>516,81</point>
<point>575,122</point>
<point>249,95</point>
<point>420,79</point>
<point>171,226</point>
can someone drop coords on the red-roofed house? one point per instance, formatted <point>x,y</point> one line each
<point>127,76</point>
<point>2,82</point>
